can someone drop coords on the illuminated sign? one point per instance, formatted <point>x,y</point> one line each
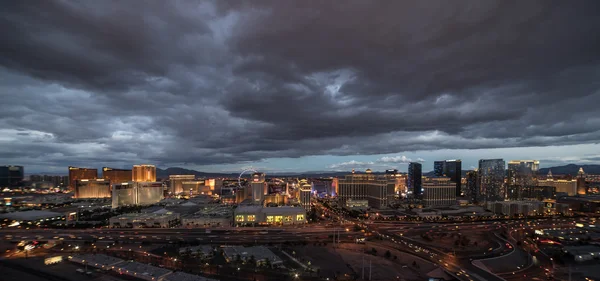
<point>53,260</point>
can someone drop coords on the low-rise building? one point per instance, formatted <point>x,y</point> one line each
<point>259,253</point>
<point>181,276</point>
<point>96,260</point>
<point>142,271</point>
<point>583,253</point>
<point>144,220</point>
<point>357,204</point>
<point>34,217</point>
<point>204,251</point>
<point>256,214</point>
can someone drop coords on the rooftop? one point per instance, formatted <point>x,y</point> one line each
<point>283,209</point>
<point>144,269</point>
<point>142,216</point>
<point>582,250</point>
<point>30,215</point>
<point>181,276</point>
<point>259,253</point>
<point>204,249</point>
<point>98,259</point>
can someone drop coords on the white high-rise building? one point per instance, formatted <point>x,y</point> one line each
<point>259,187</point>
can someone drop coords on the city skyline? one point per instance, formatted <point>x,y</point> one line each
<point>217,87</point>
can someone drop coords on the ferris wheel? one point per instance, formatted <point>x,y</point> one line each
<point>242,173</point>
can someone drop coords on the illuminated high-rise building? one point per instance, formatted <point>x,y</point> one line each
<point>521,177</point>
<point>438,168</point>
<point>472,190</point>
<point>11,176</point>
<point>136,193</point>
<point>144,173</point>
<point>568,186</point>
<point>581,184</point>
<point>176,183</point>
<point>76,173</point>
<point>439,191</point>
<point>414,179</point>
<point>304,194</point>
<point>377,190</point>
<point>98,188</point>
<point>116,175</point>
<point>258,186</point>
<point>451,169</point>
<point>491,179</point>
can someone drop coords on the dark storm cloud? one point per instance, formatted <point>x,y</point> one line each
<point>230,82</point>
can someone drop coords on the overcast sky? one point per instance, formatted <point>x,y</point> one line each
<point>221,85</point>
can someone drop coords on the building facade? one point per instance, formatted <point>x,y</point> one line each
<point>439,191</point>
<point>116,175</point>
<point>89,189</point>
<point>521,177</point>
<point>491,179</point>
<point>196,188</point>
<point>145,220</point>
<point>76,173</point>
<point>581,183</point>
<point>11,176</point>
<point>259,215</point>
<point>144,173</point>
<point>259,187</point>
<point>414,179</point>
<point>561,186</point>
<point>451,169</point>
<point>472,190</point>
<point>378,190</point>
<point>304,194</point>
<point>136,193</point>
<point>176,183</point>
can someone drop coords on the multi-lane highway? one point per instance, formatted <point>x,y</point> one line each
<point>176,235</point>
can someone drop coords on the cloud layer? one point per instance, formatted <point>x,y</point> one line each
<point>221,82</point>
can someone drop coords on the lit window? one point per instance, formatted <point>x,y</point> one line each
<point>278,219</point>
<point>287,218</point>
<point>299,217</point>
<point>270,219</point>
<point>239,218</point>
<point>251,218</point>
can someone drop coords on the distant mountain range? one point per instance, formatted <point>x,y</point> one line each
<point>165,173</point>
<point>571,169</point>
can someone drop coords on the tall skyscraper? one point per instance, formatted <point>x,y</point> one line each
<point>451,169</point>
<point>76,173</point>
<point>472,190</point>
<point>11,176</point>
<point>438,168</point>
<point>116,175</point>
<point>521,177</point>
<point>259,187</point>
<point>144,173</point>
<point>581,184</point>
<point>491,179</point>
<point>414,179</point>
<point>304,194</point>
